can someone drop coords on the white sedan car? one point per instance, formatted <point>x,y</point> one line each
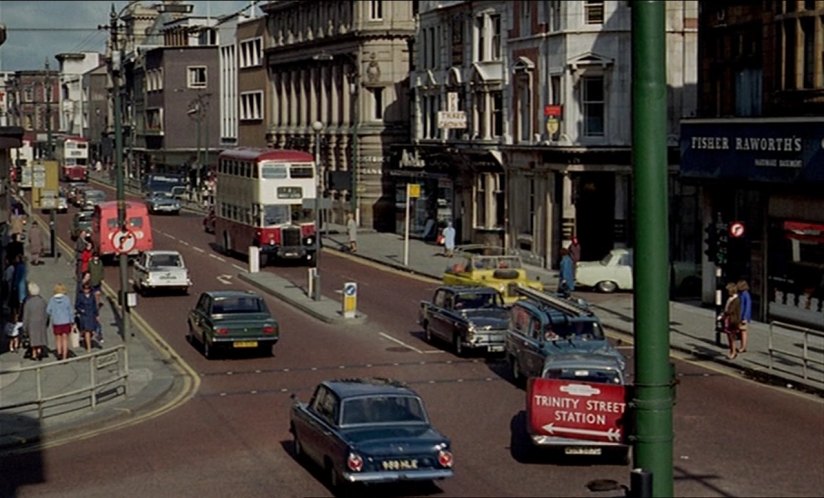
<point>613,272</point>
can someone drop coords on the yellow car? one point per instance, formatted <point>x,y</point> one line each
<point>489,267</point>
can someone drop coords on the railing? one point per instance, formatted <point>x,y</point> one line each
<point>107,368</point>
<point>805,357</point>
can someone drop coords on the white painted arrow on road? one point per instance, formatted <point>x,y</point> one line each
<point>611,434</point>
<point>225,279</point>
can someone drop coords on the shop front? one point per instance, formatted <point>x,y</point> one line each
<point>768,176</point>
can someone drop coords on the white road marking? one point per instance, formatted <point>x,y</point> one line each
<point>239,267</point>
<point>217,258</point>
<point>198,249</point>
<point>409,346</point>
<point>225,279</point>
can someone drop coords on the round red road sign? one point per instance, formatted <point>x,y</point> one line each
<point>736,229</point>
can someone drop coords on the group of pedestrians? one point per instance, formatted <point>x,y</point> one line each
<point>736,317</point>
<point>30,315</point>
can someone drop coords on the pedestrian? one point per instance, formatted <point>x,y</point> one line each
<point>12,330</point>
<point>36,244</point>
<point>8,278</point>
<point>732,318</point>
<point>18,223</point>
<point>87,315</point>
<point>566,282</point>
<point>96,276</point>
<point>18,285</point>
<point>79,246</point>
<point>61,315</point>
<point>85,259</point>
<point>449,240</point>
<point>15,247</point>
<point>575,250</point>
<point>352,232</point>
<point>35,322</point>
<point>746,312</point>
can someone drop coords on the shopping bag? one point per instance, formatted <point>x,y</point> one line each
<point>74,337</point>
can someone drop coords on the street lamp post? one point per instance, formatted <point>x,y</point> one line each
<point>317,126</point>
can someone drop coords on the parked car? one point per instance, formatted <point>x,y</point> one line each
<point>544,325</point>
<point>614,272</point>
<point>160,270</point>
<point>489,267</point>
<point>369,431</point>
<point>92,197</point>
<point>232,319</point>
<point>466,317</point>
<point>82,220</point>
<point>162,202</point>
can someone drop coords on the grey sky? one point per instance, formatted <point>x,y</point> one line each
<point>39,29</point>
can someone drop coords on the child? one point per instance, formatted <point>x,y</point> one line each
<point>13,333</point>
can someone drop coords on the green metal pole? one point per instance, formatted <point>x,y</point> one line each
<point>653,375</point>
<point>118,166</point>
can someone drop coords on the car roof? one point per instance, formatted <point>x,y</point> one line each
<point>220,294</point>
<point>347,388</point>
<point>163,252</point>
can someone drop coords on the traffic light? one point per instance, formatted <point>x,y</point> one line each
<point>721,255</point>
<point>712,242</point>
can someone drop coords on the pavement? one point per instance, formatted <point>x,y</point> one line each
<point>158,380</point>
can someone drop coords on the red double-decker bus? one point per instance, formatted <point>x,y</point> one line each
<point>72,155</point>
<point>259,201</point>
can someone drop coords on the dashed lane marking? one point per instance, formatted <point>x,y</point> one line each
<point>416,363</point>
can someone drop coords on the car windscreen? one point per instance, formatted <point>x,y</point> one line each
<point>584,374</point>
<point>477,300</point>
<point>382,410</point>
<point>159,260</point>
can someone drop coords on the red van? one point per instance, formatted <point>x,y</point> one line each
<point>110,240</point>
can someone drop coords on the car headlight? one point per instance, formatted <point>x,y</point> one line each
<point>354,462</point>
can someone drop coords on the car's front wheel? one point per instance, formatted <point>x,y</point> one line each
<point>516,371</point>
<point>208,350</point>
<point>457,345</point>
<point>297,447</point>
<point>607,286</point>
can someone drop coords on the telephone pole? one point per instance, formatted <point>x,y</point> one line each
<point>115,68</point>
<point>47,91</point>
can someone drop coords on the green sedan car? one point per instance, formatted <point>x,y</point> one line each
<point>232,320</point>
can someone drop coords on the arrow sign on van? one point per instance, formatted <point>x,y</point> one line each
<point>611,434</point>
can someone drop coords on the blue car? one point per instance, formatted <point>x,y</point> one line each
<point>369,431</point>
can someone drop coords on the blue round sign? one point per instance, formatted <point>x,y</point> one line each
<point>350,289</point>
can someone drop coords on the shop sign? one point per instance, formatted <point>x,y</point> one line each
<point>753,150</point>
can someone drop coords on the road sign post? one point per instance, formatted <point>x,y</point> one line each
<point>350,299</point>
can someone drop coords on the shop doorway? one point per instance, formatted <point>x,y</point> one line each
<point>594,198</point>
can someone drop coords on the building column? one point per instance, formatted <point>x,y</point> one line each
<point>334,96</point>
<point>619,227</point>
<point>346,97</point>
<point>568,211</point>
<point>323,96</point>
<point>313,74</point>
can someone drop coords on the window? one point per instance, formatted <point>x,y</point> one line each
<point>480,30</point>
<point>808,35</point>
<point>28,94</point>
<point>495,26</point>
<point>251,105</point>
<point>497,101</point>
<point>554,12</point>
<point>555,90</point>
<point>489,200</point>
<point>375,10</point>
<point>524,108</point>
<point>154,120</point>
<point>592,102</point>
<point>377,104</point>
<point>251,52</point>
<point>594,11</point>
<point>526,18</point>
<point>196,76</point>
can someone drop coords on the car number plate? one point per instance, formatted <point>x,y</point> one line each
<point>245,344</point>
<point>290,254</point>
<point>496,349</point>
<point>399,464</point>
<point>582,450</point>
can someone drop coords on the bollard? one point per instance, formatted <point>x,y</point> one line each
<point>640,483</point>
<point>350,300</point>
<point>254,259</point>
<point>314,284</point>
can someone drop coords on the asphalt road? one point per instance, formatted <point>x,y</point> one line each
<point>733,437</point>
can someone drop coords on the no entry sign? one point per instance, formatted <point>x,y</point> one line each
<point>576,410</point>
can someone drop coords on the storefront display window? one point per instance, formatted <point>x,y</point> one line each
<point>796,272</point>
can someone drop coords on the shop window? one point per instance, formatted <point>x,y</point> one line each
<point>796,271</point>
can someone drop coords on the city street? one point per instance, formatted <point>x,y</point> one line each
<point>232,438</point>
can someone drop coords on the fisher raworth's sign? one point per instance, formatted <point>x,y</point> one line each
<point>765,149</point>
